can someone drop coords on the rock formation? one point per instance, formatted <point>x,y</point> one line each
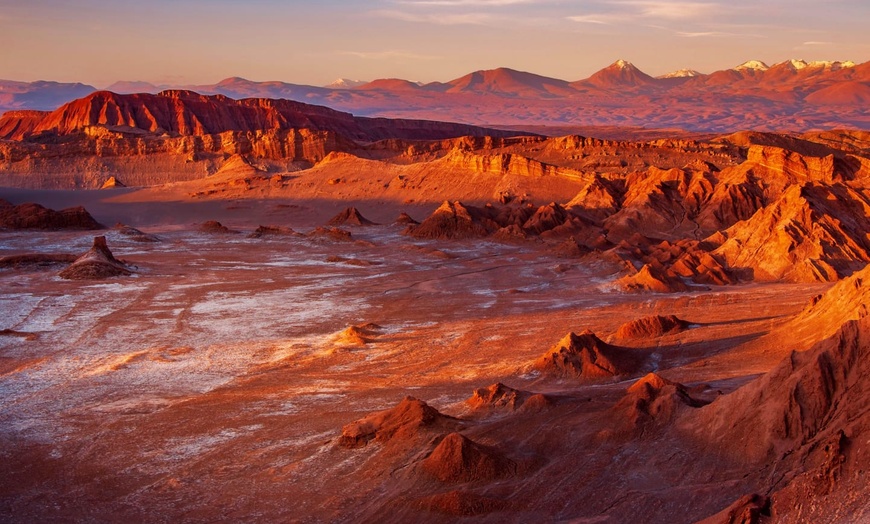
<point>179,112</point>
<point>273,231</point>
<point>111,183</point>
<point>330,233</point>
<point>402,423</point>
<point>811,233</point>
<point>651,327</point>
<point>358,335</point>
<point>453,220</point>
<point>459,459</point>
<point>214,227</point>
<point>98,263</point>
<point>35,216</point>
<point>655,400</point>
<point>652,278</point>
<point>350,217</point>
<point>134,234</point>
<point>404,219</point>
<point>587,357</point>
<point>497,396</point>
<point>36,260</point>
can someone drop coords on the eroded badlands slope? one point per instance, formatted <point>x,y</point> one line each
<point>395,329</point>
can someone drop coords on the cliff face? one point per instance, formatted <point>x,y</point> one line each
<point>185,113</point>
<point>89,158</point>
<point>147,139</point>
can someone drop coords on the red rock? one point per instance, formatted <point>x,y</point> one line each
<point>214,227</point>
<point>458,459</point>
<point>330,233</point>
<point>350,216</point>
<point>35,216</point>
<point>96,264</point>
<point>652,279</point>
<point>273,231</point>
<point>587,357</point>
<point>497,396</point>
<point>405,220</point>
<point>453,220</point>
<point>402,423</point>
<point>651,327</point>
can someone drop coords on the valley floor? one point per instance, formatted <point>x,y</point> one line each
<point>214,383</point>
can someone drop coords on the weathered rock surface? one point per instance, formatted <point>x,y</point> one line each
<point>35,216</point>
<point>97,264</point>
<point>403,422</point>
<point>350,217</point>
<point>587,357</point>
<point>459,459</point>
<point>651,327</point>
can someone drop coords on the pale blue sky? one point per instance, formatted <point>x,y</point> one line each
<point>204,41</point>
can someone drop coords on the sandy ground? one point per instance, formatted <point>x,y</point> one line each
<point>213,384</point>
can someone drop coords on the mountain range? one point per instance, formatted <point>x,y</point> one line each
<point>792,95</point>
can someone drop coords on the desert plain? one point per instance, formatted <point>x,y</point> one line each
<point>288,314</point>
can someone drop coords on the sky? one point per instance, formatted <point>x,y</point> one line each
<point>190,42</point>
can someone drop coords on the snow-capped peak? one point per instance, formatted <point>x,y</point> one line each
<point>833,66</point>
<point>681,73</point>
<point>345,83</point>
<point>623,64</point>
<point>756,65</point>
<point>797,65</point>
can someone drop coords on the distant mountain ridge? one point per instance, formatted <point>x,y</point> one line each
<point>186,113</point>
<point>794,94</point>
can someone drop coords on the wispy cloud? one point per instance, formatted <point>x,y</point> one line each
<point>673,10</point>
<point>713,34</point>
<point>388,55</point>
<point>436,18</point>
<point>601,19</point>
<point>463,3</point>
<point>647,12</point>
<point>682,18</point>
<point>814,43</point>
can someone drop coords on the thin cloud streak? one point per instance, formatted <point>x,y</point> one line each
<point>463,3</point>
<point>674,10</point>
<point>389,55</point>
<point>443,19</point>
<point>590,19</point>
<point>702,34</point>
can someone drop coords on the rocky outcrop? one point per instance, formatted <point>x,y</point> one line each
<point>131,233</point>
<point>497,396</point>
<point>402,423</point>
<point>651,327</point>
<point>32,261</point>
<point>459,459</point>
<point>655,400</point>
<point>98,263</point>
<point>350,217</point>
<point>811,233</point>
<point>358,335</point>
<point>546,218</point>
<point>186,113</point>
<point>330,233</point>
<point>453,220</point>
<point>273,231</point>
<point>587,357</point>
<point>112,183</point>
<point>810,395</point>
<point>35,216</point>
<point>404,219</point>
<point>214,227</point>
<point>652,278</point>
